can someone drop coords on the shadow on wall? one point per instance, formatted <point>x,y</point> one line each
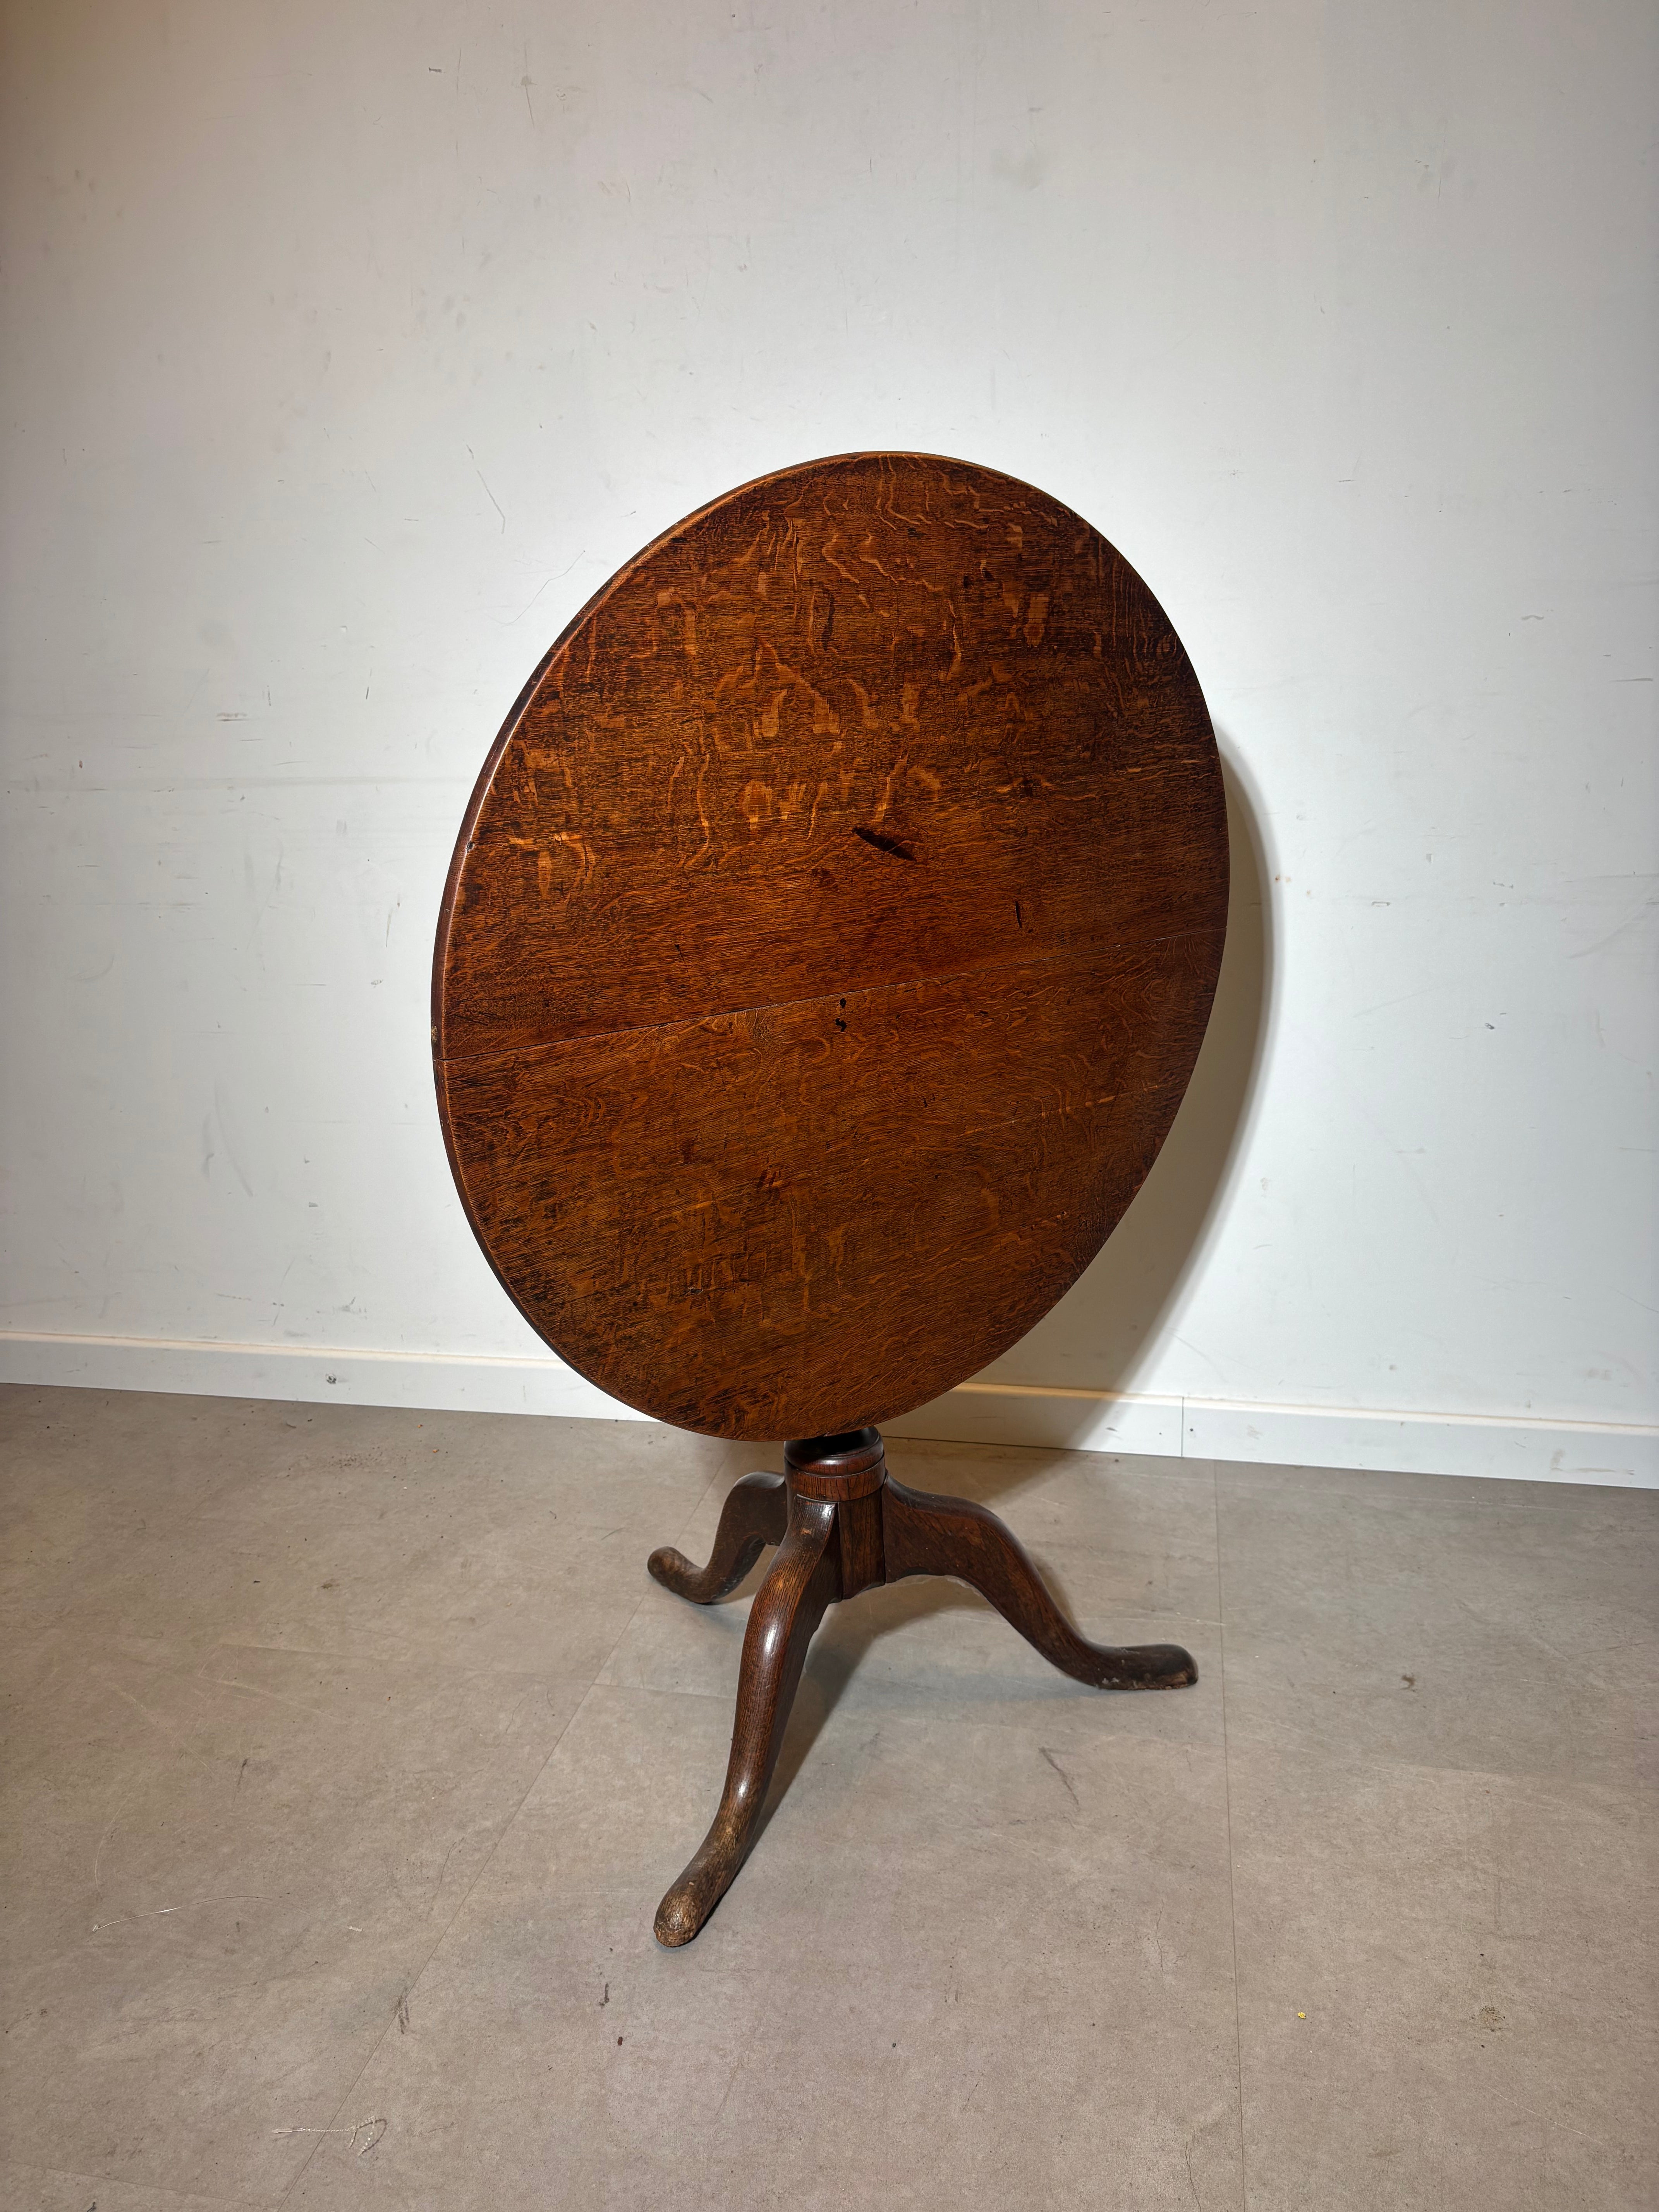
<point>1103,1331</point>
<point>1101,1334</point>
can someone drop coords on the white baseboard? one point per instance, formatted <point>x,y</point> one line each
<point>444,1382</point>
<point>1524,1449</point>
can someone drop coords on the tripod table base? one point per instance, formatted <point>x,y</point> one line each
<point>841,1524</point>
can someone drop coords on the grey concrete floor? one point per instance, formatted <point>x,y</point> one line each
<point>349,1751</point>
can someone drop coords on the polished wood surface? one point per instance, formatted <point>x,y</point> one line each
<point>828,945</point>
<point>842,1525</point>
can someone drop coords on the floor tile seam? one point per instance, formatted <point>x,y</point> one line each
<point>1553,1786</point>
<point>720,1474</point>
<point>1013,1502</point>
<point>1119,1615</point>
<point>1057,1460</point>
<point>175,1529</point>
<point>1131,1613</point>
<point>923,1707</point>
<point>922,1700</point>
<point>418,1975</point>
<point>1112,1547</point>
<point>416,1978</point>
<point>183,1673</point>
<point>447,1670</point>
<point>1553,1498</point>
<point>1063,1552</point>
<point>528,1679</point>
<point>451,1671</point>
<point>1232,1878</point>
<point>189,2196</point>
<point>507,1826</point>
<point>183,1749</point>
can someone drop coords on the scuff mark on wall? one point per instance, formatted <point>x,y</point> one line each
<point>234,1150</point>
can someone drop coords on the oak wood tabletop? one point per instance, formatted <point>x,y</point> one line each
<point>828,945</point>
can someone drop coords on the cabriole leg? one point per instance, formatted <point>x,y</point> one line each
<point>926,1536</point>
<point>755,1515</point>
<point>801,1581</point>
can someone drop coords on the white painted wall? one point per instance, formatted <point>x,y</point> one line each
<point>349,348</point>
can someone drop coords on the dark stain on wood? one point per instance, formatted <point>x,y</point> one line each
<point>885,844</point>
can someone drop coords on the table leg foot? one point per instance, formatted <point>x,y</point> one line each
<point>801,1583</point>
<point>927,1535</point>
<point>755,1515</point>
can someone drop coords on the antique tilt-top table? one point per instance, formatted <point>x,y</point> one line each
<point>828,945</point>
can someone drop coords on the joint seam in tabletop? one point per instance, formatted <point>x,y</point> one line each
<point>721,1475</point>
<point>1042,960</point>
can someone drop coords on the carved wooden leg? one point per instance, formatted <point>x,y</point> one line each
<point>756,1514</point>
<point>925,1535</point>
<point>803,1580</point>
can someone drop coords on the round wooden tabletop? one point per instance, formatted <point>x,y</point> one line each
<point>828,945</point>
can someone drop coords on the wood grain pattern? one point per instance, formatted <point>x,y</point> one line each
<point>828,945</point>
